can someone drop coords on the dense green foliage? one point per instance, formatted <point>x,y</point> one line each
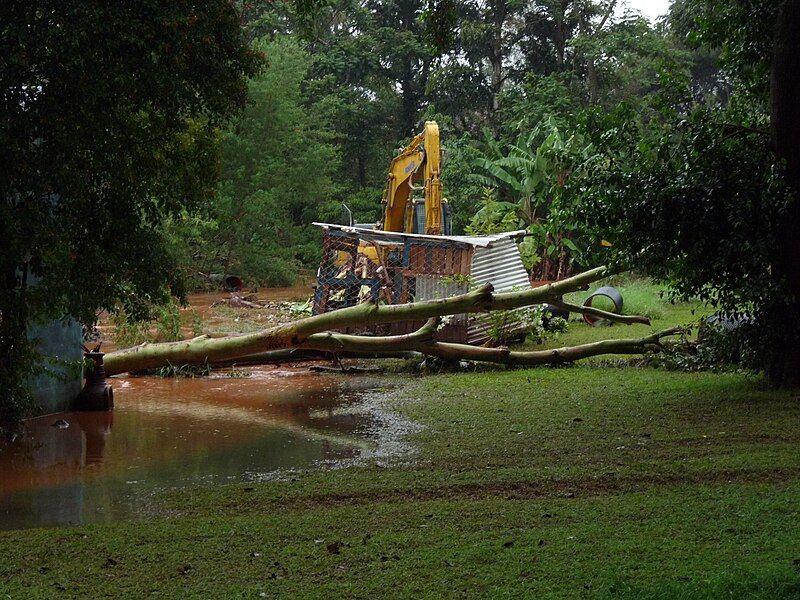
<point>665,195</point>
<point>109,120</point>
<point>539,178</point>
<point>571,119</point>
<point>505,77</point>
<point>276,172</point>
<point>699,198</point>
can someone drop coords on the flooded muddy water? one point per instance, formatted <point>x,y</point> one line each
<point>301,291</point>
<point>73,468</point>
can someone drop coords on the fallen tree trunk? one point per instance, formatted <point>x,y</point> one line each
<point>313,333</point>
<point>295,355</point>
<point>422,341</point>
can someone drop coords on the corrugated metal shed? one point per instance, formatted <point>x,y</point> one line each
<point>415,267</point>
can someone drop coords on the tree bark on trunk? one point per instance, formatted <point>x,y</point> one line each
<point>14,343</point>
<point>784,367</point>
<point>422,341</point>
<point>592,82</point>
<point>496,57</point>
<point>560,34</point>
<point>313,333</point>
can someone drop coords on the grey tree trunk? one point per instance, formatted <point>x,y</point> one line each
<point>314,333</point>
<point>784,368</point>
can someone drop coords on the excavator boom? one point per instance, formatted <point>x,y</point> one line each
<point>416,168</point>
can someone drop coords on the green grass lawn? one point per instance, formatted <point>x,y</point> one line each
<point>585,481</point>
<point>640,297</point>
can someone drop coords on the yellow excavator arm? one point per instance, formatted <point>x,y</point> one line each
<point>418,163</point>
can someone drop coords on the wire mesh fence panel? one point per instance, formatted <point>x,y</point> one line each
<point>361,266</point>
<point>347,276</point>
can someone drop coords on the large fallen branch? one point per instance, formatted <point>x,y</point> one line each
<point>308,332</point>
<point>423,341</point>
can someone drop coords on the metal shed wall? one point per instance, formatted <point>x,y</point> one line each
<point>501,265</point>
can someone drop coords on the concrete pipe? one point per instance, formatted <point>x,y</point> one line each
<point>607,292</point>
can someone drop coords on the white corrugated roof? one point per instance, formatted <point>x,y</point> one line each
<point>480,241</point>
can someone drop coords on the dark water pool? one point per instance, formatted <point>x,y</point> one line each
<point>179,433</point>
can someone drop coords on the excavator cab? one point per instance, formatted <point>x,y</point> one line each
<point>420,217</point>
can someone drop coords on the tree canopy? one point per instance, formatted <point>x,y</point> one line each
<point>143,143</point>
<point>110,115</point>
<point>705,198</point>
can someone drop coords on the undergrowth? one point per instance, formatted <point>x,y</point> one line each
<point>189,371</point>
<point>163,325</point>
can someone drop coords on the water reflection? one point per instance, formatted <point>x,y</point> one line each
<point>175,433</point>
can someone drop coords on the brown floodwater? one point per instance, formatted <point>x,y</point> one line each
<point>180,433</point>
<point>299,292</point>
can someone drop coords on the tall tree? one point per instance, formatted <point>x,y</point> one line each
<point>785,137</point>
<point>109,115</point>
<point>491,34</point>
<point>277,169</point>
<point>405,58</point>
<point>706,198</point>
<point>759,45</point>
<point>348,75</point>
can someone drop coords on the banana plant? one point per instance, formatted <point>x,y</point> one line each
<point>532,176</point>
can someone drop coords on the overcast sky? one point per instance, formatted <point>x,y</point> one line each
<point>651,9</point>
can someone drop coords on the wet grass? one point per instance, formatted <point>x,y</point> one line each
<point>710,541</point>
<point>558,482</point>
<point>640,297</point>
